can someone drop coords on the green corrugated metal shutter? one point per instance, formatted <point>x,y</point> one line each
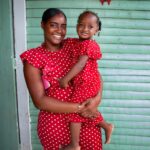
<point>125,67</point>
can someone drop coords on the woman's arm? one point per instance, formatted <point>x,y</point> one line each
<point>41,101</point>
<point>74,71</point>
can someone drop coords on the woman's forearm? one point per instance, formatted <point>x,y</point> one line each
<point>53,105</point>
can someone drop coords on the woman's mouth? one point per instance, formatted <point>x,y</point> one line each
<point>57,37</point>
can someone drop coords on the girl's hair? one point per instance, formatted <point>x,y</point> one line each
<point>51,12</point>
<point>92,13</point>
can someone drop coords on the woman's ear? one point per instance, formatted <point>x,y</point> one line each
<point>77,26</point>
<point>42,25</point>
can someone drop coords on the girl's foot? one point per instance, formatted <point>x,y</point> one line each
<point>108,133</point>
<point>71,147</point>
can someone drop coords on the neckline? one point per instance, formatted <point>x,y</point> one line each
<point>51,52</point>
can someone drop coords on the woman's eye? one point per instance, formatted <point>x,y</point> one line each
<point>63,26</point>
<point>53,25</point>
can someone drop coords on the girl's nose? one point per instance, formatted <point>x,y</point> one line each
<point>86,28</point>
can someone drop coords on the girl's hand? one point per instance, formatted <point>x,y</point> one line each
<point>63,83</point>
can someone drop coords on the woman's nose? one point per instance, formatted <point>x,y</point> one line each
<point>59,29</point>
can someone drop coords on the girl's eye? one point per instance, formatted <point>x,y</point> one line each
<point>81,25</point>
<point>90,27</point>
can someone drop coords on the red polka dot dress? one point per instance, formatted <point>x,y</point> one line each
<point>53,129</point>
<point>87,83</point>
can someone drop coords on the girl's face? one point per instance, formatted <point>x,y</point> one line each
<point>54,29</point>
<point>87,26</point>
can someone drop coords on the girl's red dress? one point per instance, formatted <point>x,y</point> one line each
<point>87,83</point>
<point>53,128</point>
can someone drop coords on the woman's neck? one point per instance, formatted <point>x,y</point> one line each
<point>52,47</point>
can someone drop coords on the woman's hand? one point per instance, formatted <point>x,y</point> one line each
<point>90,109</point>
<point>91,104</point>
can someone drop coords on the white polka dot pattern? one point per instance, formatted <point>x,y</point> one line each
<point>53,129</point>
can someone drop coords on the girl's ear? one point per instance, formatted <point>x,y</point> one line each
<point>96,31</point>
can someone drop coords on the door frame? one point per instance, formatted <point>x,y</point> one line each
<point>20,44</point>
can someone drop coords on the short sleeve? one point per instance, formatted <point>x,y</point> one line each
<point>90,48</point>
<point>33,57</point>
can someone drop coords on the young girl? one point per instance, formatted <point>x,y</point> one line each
<point>85,75</point>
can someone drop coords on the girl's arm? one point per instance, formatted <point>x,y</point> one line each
<point>41,101</point>
<point>74,71</point>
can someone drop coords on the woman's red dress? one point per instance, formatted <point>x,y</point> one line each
<point>53,129</point>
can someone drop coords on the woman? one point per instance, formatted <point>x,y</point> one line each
<point>51,61</point>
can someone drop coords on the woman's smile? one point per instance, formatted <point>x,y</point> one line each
<point>57,37</point>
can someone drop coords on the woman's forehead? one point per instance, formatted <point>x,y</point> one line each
<point>58,17</point>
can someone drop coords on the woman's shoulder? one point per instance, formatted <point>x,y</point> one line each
<point>34,56</point>
<point>31,51</point>
<point>37,50</point>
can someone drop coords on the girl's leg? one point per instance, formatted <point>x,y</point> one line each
<point>75,133</point>
<point>108,128</point>
<point>75,136</point>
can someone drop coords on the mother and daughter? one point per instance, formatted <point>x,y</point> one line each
<point>63,80</point>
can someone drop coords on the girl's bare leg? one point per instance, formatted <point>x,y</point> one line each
<point>75,136</point>
<point>108,128</point>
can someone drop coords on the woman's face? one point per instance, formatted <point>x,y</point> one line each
<point>54,29</point>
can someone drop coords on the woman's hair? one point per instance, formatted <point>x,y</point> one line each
<point>92,13</point>
<point>51,12</point>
